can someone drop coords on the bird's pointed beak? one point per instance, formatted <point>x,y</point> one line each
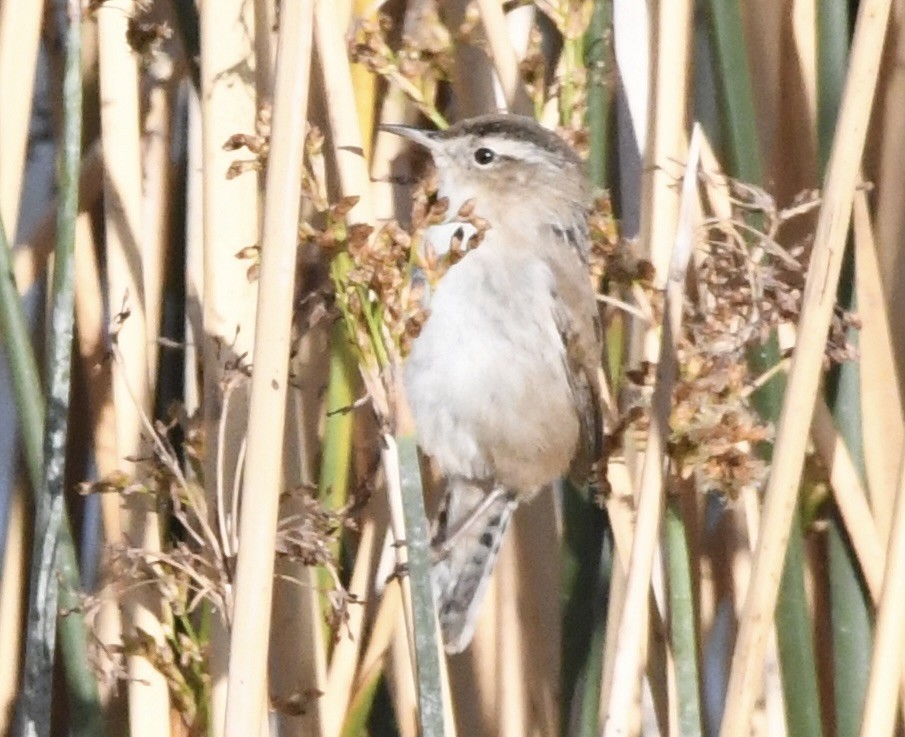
<point>428,139</point>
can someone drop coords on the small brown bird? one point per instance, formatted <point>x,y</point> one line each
<point>502,380</point>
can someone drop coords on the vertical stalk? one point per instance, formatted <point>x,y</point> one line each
<point>597,58</point>
<point>53,557</point>
<point>22,363</point>
<point>423,626</point>
<point>20,32</point>
<point>262,481</point>
<point>682,624</point>
<point>587,567</point>
<point>805,372</point>
<point>795,644</point>
<point>143,609</point>
<point>849,604</point>
<point>230,221</point>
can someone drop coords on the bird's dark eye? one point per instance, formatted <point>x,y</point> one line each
<point>484,156</point>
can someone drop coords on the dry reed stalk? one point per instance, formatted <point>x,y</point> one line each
<point>30,257</point>
<point>512,674</point>
<point>149,704</point>
<point>13,576</point>
<point>381,635</point>
<point>631,635</point>
<point>804,375</point>
<point>716,184</point>
<point>342,112</point>
<point>389,455</point>
<point>621,510</point>
<point>667,135</point>
<point>533,610</point>
<point>617,592</point>
<point>298,637</point>
<point>502,55</point>
<point>194,267</point>
<point>298,659</point>
<point>394,108</point>
<point>632,44</point>
<point>881,398</point>
<point>364,82</point>
<point>882,169</point>
<point>851,497</point>
<point>297,664</point>
<point>262,482</point>
<point>352,170</point>
<point>473,79</point>
<point>881,395</point>
<point>91,333</point>
<point>228,210</point>
<point>771,713</point>
<point>804,38</point>
<point>401,682</point>
<point>156,204</point>
<point>20,31</point>
<point>346,653</point>
<point>880,704</point>
<point>265,41</point>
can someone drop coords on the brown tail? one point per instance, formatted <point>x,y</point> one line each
<point>467,540</point>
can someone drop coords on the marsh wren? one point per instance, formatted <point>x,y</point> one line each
<point>502,380</point>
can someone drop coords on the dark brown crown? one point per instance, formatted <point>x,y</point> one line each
<point>514,127</point>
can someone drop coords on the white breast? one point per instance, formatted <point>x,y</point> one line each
<point>487,379</point>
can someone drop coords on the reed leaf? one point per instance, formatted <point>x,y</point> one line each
<point>427,652</point>
<point>796,650</point>
<point>23,366</point>
<point>598,61</point>
<point>54,576</point>
<point>587,567</point>
<point>849,603</point>
<point>682,624</point>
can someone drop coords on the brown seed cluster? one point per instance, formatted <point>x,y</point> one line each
<point>416,67</point>
<point>379,277</point>
<point>715,431</point>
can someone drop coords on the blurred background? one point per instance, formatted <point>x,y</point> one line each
<point>141,194</point>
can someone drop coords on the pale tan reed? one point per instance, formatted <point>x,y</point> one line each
<point>229,221</point>
<point>502,54</point>
<point>667,139</point>
<point>881,394</point>
<point>20,29</point>
<point>149,701</point>
<point>12,594</point>
<point>804,375</point>
<point>851,496</point>
<point>89,316</point>
<point>262,482</point>
<point>881,702</point>
<point>628,664</point>
<point>91,332</point>
<point>30,257</point>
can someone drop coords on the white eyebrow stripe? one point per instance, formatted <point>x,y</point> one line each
<point>512,148</point>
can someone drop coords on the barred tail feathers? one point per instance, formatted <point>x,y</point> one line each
<point>469,533</point>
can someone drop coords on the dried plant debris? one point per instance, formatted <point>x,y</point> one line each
<point>257,144</point>
<point>747,283</point>
<point>194,564</point>
<point>743,287</point>
<point>416,68</point>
